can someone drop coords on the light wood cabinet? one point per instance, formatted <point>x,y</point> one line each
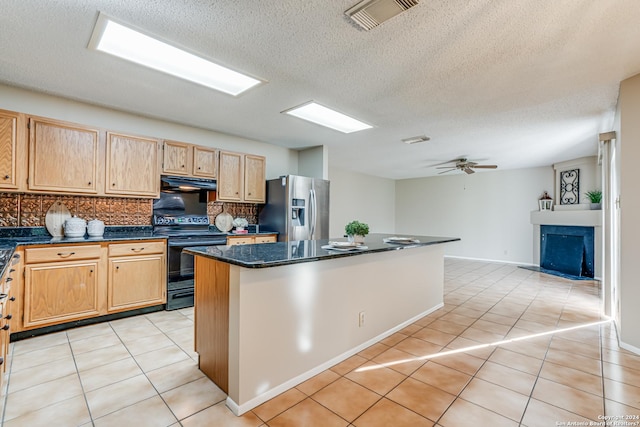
<point>241,178</point>
<point>12,151</point>
<point>137,275</point>
<point>254,179</point>
<point>204,162</point>
<point>63,157</point>
<point>7,307</point>
<point>250,240</point>
<point>183,159</point>
<point>60,289</point>
<point>132,165</point>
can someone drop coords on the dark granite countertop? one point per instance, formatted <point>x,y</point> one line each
<point>284,253</point>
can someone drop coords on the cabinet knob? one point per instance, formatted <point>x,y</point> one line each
<point>7,177</point>
<point>137,249</point>
<point>9,316</point>
<point>113,185</point>
<point>5,327</point>
<point>12,299</point>
<point>182,166</point>
<point>89,183</point>
<point>199,168</point>
<point>8,279</point>
<point>117,267</point>
<point>65,254</point>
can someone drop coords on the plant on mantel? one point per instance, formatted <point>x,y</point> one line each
<point>595,197</point>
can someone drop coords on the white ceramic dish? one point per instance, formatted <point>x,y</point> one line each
<point>344,245</point>
<point>343,248</point>
<point>404,240</point>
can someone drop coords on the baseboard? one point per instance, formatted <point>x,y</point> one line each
<point>270,394</point>
<point>495,261</point>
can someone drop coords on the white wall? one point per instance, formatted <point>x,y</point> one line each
<point>365,198</point>
<point>489,211</point>
<point>629,144</point>
<point>314,162</point>
<point>280,161</point>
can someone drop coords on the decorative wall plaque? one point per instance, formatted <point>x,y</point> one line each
<point>570,187</point>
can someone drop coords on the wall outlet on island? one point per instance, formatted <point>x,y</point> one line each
<point>361,319</point>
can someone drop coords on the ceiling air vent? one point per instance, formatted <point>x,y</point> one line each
<point>371,13</point>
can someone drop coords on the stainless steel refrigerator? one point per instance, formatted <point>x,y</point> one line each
<point>297,208</point>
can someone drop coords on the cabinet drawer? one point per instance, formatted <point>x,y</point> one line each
<point>137,248</point>
<point>61,253</point>
<point>240,241</point>
<point>266,239</point>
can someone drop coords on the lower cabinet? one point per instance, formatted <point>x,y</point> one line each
<point>137,276</point>
<point>250,240</point>
<point>63,283</point>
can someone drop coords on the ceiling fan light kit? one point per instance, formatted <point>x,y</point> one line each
<point>465,166</point>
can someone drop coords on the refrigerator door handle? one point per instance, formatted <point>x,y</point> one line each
<point>314,212</point>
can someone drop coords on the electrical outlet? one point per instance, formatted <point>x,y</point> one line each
<point>361,319</point>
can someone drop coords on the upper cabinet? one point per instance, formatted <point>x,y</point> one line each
<point>182,159</point>
<point>241,178</point>
<point>132,165</point>
<point>12,151</point>
<point>63,157</point>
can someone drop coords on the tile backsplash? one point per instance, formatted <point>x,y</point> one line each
<point>29,210</point>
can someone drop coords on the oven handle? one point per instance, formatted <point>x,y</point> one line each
<point>183,244</point>
<point>182,295</point>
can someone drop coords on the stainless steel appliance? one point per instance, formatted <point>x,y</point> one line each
<point>297,208</point>
<point>182,218</point>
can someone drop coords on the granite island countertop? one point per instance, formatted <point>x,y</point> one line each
<point>284,253</point>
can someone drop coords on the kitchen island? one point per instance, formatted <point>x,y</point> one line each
<point>270,316</point>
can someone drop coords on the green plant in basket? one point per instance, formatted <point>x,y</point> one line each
<point>356,228</point>
<point>594,196</point>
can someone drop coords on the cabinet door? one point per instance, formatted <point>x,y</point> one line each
<point>136,282</point>
<point>204,162</point>
<point>230,177</point>
<point>266,239</point>
<point>231,241</point>
<point>176,158</point>
<point>132,166</point>
<point>60,292</point>
<point>254,179</point>
<point>8,146</point>
<point>62,157</point>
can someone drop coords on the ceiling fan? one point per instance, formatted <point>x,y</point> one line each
<point>464,165</point>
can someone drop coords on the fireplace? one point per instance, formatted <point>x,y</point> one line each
<point>567,249</point>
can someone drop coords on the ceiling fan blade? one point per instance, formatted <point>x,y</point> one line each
<point>442,163</point>
<point>469,171</point>
<point>485,166</point>
<point>446,167</point>
<point>440,173</point>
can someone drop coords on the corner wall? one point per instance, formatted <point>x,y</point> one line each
<point>489,211</point>
<point>629,145</point>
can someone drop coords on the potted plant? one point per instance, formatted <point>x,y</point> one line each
<point>595,197</point>
<point>356,231</point>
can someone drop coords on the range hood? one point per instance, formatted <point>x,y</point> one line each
<point>187,184</point>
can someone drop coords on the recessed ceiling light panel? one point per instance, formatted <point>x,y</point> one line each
<point>319,114</point>
<point>124,42</point>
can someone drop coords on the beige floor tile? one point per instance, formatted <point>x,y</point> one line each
<point>40,357</point>
<point>172,325</point>
<point>623,393</point>
<point>346,398</point>
<point>386,413</point>
<point>499,319</point>
<point>220,415</point>
<point>393,339</point>
<point>481,335</point>
<point>90,331</point>
<point>308,413</point>
<point>274,407</point>
<point>94,343</point>
<point>110,373</point>
<point>151,412</point>
<point>469,346</point>
<point>461,362</point>
<point>570,346</point>
<point>530,365</point>
<point>620,373</point>
<point>466,414</point>
<point>132,332</point>
<point>622,358</point>
<point>174,375</point>
<point>572,378</point>
<point>373,350</point>
<point>442,377</point>
<point>611,407</point>
<point>130,322</point>
<point>400,361</point>
<point>573,400</point>
<point>418,347</point>
<point>498,399</point>
<point>30,377</point>
<point>434,336</point>
<point>317,382</point>
<point>158,358</point>
<point>192,397</point>
<point>40,343</point>
<point>458,319</point>
<point>541,414</point>
<point>410,330</point>
<point>506,377</point>
<point>532,347</point>
<point>348,364</point>
<point>376,378</point>
<point>70,412</point>
<point>153,342</point>
<point>572,360</point>
<point>41,396</point>
<point>103,356</point>
<point>120,395</point>
<point>489,326</point>
<point>448,327</point>
<point>426,400</point>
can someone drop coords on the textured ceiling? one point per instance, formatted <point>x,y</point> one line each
<point>519,83</point>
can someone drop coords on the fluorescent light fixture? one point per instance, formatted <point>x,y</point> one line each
<point>121,41</point>
<point>416,139</point>
<point>319,114</point>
